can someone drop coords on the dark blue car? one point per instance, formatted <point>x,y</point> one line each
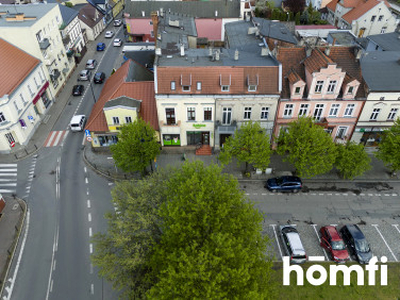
<point>356,242</point>
<point>101,46</point>
<point>284,184</point>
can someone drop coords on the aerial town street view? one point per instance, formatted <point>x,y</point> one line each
<point>226,149</point>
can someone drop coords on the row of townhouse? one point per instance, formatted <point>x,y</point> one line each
<point>203,95</point>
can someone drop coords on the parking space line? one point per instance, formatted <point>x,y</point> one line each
<point>396,226</point>
<point>376,227</point>
<point>276,238</point>
<point>316,258</point>
<point>319,241</point>
<point>362,194</point>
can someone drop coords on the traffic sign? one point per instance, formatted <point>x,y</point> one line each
<point>89,138</point>
<point>30,118</point>
<point>12,144</point>
<point>87,132</point>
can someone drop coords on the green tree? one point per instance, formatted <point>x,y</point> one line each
<point>352,160</point>
<point>389,147</point>
<point>211,245</point>
<point>308,147</point>
<point>136,147</point>
<point>249,144</point>
<point>123,253</point>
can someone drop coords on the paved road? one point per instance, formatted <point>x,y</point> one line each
<point>375,207</point>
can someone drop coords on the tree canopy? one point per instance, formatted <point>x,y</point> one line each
<point>185,233</point>
<point>249,144</point>
<point>307,146</point>
<point>389,147</point>
<point>136,147</point>
<point>352,160</point>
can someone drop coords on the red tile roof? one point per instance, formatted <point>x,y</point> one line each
<point>16,65</point>
<point>210,78</point>
<point>116,86</point>
<point>332,5</point>
<point>139,26</point>
<point>316,61</point>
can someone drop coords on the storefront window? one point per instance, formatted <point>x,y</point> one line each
<point>171,140</point>
<point>107,140</point>
<point>193,137</point>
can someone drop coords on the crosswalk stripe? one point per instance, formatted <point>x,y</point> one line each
<point>9,174</point>
<point>55,138</point>
<point>7,191</point>
<point>51,138</point>
<point>8,170</point>
<point>8,165</point>
<point>8,180</point>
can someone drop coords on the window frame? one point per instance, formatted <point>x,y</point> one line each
<point>392,114</point>
<point>332,86</point>
<point>198,85</point>
<point>318,111</point>
<point>170,116</point>
<point>115,120</point>
<point>264,113</point>
<point>303,110</point>
<point>185,88</point>
<point>128,119</point>
<point>207,111</point>
<point>334,110</point>
<point>288,111</point>
<point>247,113</point>
<point>348,112</point>
<point>252,88</point>
<point>318,86</point>
<point>297,90</point>
<point>225,88</point>
<point>374,114</point>
<point>226,116</point>
<point>191,113</point>
<point>173,85</point>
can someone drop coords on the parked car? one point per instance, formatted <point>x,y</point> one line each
<point>356,243</point>
<point>99,77</point>
<point>91,64</point>
<point>77,123</point>
<point>334,244</point>
<point>117,22</point>
<point>84,75</point>
<point>284,184</point>
<point>292,244</point>
<point>109,34</point>
<point>77,90</point>
<point>101,47</point>
<point>117,42</point>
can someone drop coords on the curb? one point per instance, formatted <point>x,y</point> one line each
<point>21,202</point>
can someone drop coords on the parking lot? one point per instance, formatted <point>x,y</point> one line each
<point>384,239</point>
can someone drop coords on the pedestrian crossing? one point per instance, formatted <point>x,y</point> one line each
<point>55,138</point>
<point>8,178</point>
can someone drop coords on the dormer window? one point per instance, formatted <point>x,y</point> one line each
<point>186,82</point>
<point>297,90</point>
<point>252,83</point>
<point>225,82</point>
<point>350,90</point>
<point>252,88</point>
<point>186,88</point>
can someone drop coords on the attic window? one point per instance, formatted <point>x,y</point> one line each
<point>350,90</point>
<point>186,82</point>
<point>225,82</point>
<point>143,13</point>
<point>252,83</point>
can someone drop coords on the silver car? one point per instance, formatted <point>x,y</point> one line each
<point>84,75</point>
<point>91,64</point>
<point>292,244</point>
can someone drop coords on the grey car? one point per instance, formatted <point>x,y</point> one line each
<point>292,244</point>
<point>84,75</point>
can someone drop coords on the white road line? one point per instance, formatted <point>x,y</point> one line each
<point>397,227</point>
<point>362,194</point>
<point>89,217</point>
<point>378,195</point>
<point>329,194</point>
<point>9,184</point>
<point>316,258</point>
<point>337,194</point>
<point>7,191</point>
<point>8,175</point>
<point>86,180</point>
<point>321,194</point>
<point>8,170</point>
<point>85,169</point>
<point>394,194</point>
<point>84,140</point>
<point>344,194</point>
<point>370,195</point>
<point>87,192</point>
<point>51,139</point>
<point>51,286</point>
<point>319,241</point>
<point>92,289</point>
<point>376,227</point>
<point>54,266</point>
<point>59,135</point>
<point>91,248</point>
<point>264,194</point>
<point>276,238</point>
<point>88,203</point>
<point>8,165</point>
<point>255,194</point>
<point>109,157</point>
<point>247,194</point>
<point>6,180</point>
<point>90,232</point>
<point>313,194</point>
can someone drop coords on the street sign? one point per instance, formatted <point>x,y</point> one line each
<point>87,132</point>
<point>30,118</point>
<point>12,144</point>
<point>89,138</point>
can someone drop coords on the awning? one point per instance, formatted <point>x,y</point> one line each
<point>41,92</point>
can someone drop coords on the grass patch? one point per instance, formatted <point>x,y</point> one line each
<point>325,291</point>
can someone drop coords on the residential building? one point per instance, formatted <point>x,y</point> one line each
<point>91,21</point>
<point>127,95</point>
<point>383,42</point>
<point>362,17</point>
<point>381,72</point>
<point>35,28</point>
<point>203,95</point>
<point>210,17</point>
<point>317,4</point>
<point>71,32</point>
<point>324,83</point>
<point>24,93</point>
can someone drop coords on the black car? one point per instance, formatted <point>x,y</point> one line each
<point>356,243</point>
<point>284,184</point>
<point>77,90</point>
<point>99,77</point>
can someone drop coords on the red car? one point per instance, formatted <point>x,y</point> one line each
<point>333,243</point>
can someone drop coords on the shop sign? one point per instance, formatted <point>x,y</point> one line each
<point>198,126</point>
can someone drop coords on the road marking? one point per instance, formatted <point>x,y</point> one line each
<point>85,169</point>
<point>255,194</point>
<point>83,140</point>
<point>321,194</point>
<point>51,286</point>
<point>247,194</point>
<point>90,232</point>
<point>91,248</point>
<point>87,192</point>
<point>54,266</point>
<point>378,195</point>
<point>264,194</point>
<point>344,194</point>
<point>333,225</point>
<point>329,194</point>
<point>91,268</point>
<point>316,258</point>
<point>396,226</point>
<point>394,195</point>
<point>92,289</point>
<point>276,238</point>
<point>387,195</point>
<point>9,184</point>
<point>89,217</point>
<point>319,241</point>
<point>9,170</point>
<point>109,157</point>
<point>110,183</point>
<point>362,194</point>
<point>337,194</point>
<point>313,194</point>
<point>376,227</point>
<point>86,180</point>
<point>88,203</point>
<point>8,175</point>
<point>8,165</point>
<point>370,195</point>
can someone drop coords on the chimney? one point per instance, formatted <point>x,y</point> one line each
<point>210,52</point>
<point>236,54</point>
<point>161,12</point>
<point>154,19</point>
<point>359,53</point>
<point>334,42</point>
<point>264,51</point>
<point>217,55</point>
<point>158,51</point>
<point>308,51</point>
<point>327,50</point>
<point>182,50</point>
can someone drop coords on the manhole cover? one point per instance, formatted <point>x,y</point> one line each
<point>15,206</point>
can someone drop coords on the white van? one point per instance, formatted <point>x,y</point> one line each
<point>77,123</point>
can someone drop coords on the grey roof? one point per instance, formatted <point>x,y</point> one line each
<point>237,37</point>
<point>387,41</point>
<point>138,72</point>
<point>275,30</point>
<point>68,14</point>
<point>199,9</point>
<point>124,101</point>
<point>30,10</point>
<point>143,57</point>
<point>381,70</point>
<point>342,38</point>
